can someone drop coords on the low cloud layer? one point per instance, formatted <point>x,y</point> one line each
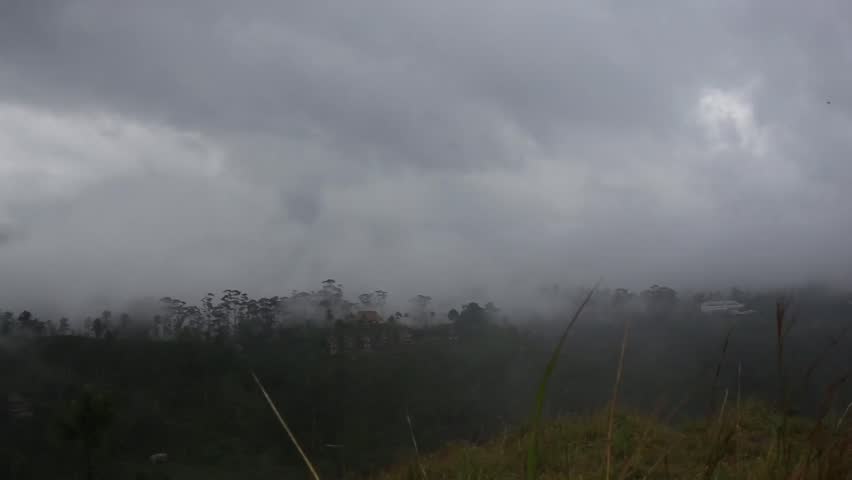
<point>446,148</point>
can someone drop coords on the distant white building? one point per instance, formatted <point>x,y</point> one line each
<point>727,307</point>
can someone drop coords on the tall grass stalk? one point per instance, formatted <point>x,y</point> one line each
<point>286,428</point>
<point>842,417</point>
<point>719,423</point>
<point>662,458</point>
<point>533,450</point>
<point>416,448</point>
<point>829,397</point>
<point>719,365</point>
<point>717,451</point>
<point>643,442</point>
<point>782,308</point>
<point>614,399</point>
<point>738,420</point>
<point>823,354</point>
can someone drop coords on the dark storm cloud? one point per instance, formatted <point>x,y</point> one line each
<point>404,81</point>
<point>424,145</point>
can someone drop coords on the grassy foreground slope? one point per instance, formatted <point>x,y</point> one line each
<point>751,441</point>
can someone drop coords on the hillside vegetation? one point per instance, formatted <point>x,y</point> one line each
<point>754,441</point>
<point>743,442</point>
<point>102,402</point>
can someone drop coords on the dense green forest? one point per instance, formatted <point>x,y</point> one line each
<point>98,396</point>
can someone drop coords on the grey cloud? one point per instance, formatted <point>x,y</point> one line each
<point>402,81</point>
<point>430,145</point>
<point>302,207</point>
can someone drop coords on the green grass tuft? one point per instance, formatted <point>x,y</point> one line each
<point>570,447</point>
<point>541,393</point>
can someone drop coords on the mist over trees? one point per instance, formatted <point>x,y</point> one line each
<point>349,369</point>
<point>234,314</point>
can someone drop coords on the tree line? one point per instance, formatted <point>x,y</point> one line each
<point>233,314</point>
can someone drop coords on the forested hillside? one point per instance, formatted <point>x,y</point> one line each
<point>180,382</point>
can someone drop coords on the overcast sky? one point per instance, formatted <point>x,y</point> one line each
<point>441,147</point>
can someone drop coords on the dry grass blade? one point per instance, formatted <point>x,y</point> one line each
<point>684,400</point>
<point>830,457</point>
<point>663,456</point>
<point>737,422</point>
<point>842,417</point>
<point>832,343</point>
<point>719,365</point>
<point>739,390</point>
<point>614,399</point>
<point>678,406</point>
<point>643,442</point>
<point>286,428</point>
<point>717,450</point>
<point>780,311</point>
<point>414,442</point>
<point>722,410</point>
<point>828,399</point>
<point>696,387</point>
